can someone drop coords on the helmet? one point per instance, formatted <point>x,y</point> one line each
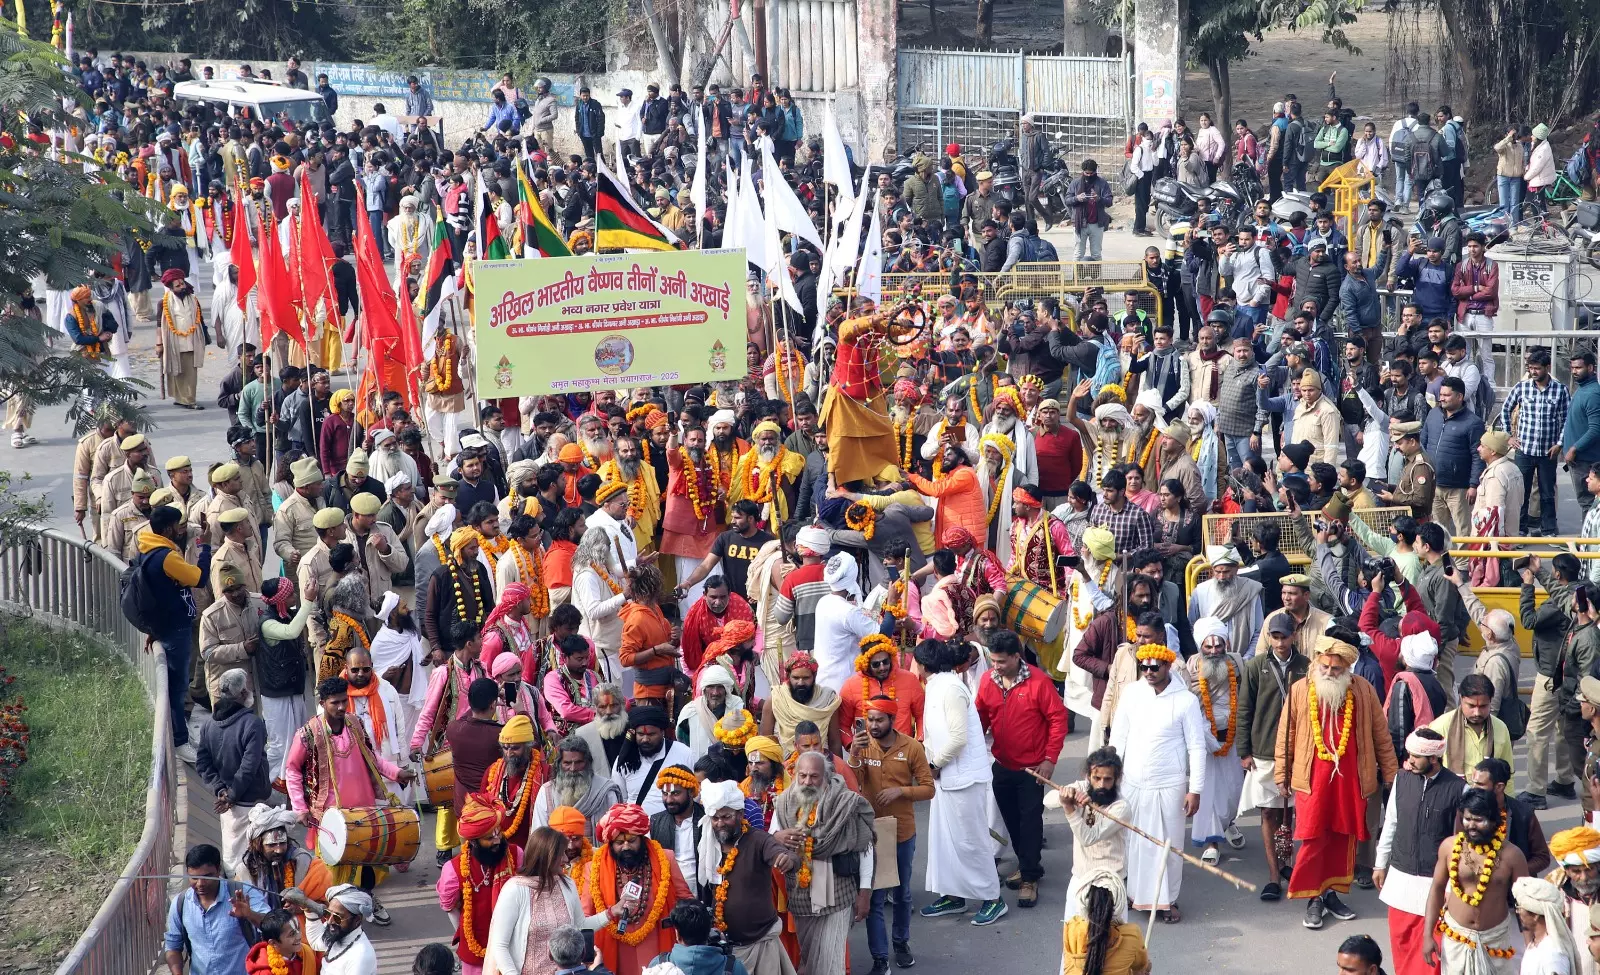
<point>1439,202</point>
<point>543,84</point>
<point>1219,317</point>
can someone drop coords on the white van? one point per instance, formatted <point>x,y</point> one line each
<point>265,100</point>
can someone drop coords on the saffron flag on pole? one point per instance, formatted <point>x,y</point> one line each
<point>539,236</point>
<point>618,221</point>
<point>315,252</point>
<point>242,256</point>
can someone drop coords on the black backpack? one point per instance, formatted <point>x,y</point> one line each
<point>1400,148</point>
<point>137,597</point>
<point>1513,711</point>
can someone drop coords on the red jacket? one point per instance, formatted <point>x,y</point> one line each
<point>1387,648</point>
<point>1029,722</point>
<point>1479,286</point>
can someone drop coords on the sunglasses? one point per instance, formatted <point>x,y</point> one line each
<point>1149,667</point>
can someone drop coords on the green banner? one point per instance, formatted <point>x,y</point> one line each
<point>570,324</point>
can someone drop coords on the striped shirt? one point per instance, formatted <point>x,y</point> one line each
<point>1543,414</point>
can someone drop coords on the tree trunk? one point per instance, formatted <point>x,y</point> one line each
<point>933,16</point>
<point>985,22</point>
<point>667,64</point>
<point>1221,103</point>
<point>1462,48</point>
<point>1082,33</point>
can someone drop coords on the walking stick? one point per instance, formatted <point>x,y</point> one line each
<point>1099,811</point>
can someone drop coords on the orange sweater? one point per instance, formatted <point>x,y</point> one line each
<point>961,502</point>
<point>644,627</point>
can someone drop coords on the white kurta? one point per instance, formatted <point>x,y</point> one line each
<point>1224,775</point>
<point>1244,627</point>
<point>1162,739</point>
<point>1001,525</point>
<point>961,851</point>
<point>354,956</point>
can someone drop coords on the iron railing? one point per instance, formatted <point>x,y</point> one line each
<point>66,582</point>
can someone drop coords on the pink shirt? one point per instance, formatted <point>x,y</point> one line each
<point>352,784</point>
<point>559,701</point>
<point>430,707</point>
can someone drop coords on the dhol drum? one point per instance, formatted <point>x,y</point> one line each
<point>1033,612</point>
<point>370,836</point>
<point>439,772</point>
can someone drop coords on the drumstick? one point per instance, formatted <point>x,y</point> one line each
<point>1099,810</point>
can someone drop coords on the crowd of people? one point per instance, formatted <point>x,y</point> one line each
<point>675,668</point>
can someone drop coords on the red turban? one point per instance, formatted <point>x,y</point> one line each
<point>568,821</point>
<point>172,275</point>
<point>623,818</point>
<point>800,659</point>
<point>514,594</point>
<point>954,537</point>
<point>655,419</point>
<point>478,818</point>
<point>906,387</point>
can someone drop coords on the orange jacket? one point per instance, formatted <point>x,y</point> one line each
<point>961,502</point>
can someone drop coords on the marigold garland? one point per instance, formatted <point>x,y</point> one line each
<point>804,876</point>
<point>1490,852</point>
<point>736,737</point>
<point>862,518</point>
<point>1080,621</point>
<point>492,548</point>
<point>166,316</point>
<point>90,350</point>
<point>895,603</point>
<point>778,367</point>
<point>440,374</point>
<point>449,564</point>
<point>1131,628</point>
<point>691,485</point>
<point>468,888</point>
<point>1149,445</point>
<point>356,628</point>
<point>1450,933</point>
<point>276,963</point>
<point>903,437</point>
<point>725,876</point>
<point>520,810</point>
<point>1233,708</point>
<point>1320,737</point>
<point>530,568</point>
<point>661,889</point>
<point>871,646</point>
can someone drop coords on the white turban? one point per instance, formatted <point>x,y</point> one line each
<point>1539,896</point>
<point>1419,651</point>
<point>1150,399</point>
<point>443,521</point>
<point>813,539</point>
<point>1111,882</point>
<point>390,601</point>
<point>715,796</point>
<point>1115,412</point>
<point>519,470</point>
<point>1206,412</point>
<point>265,819</point>
<point>1229,556</point>
<point>1207,627</point>
<point>396,481</point>
<point>355,900</point>
<point>718,418</point>
<point>841,574</point>
<point>715,674</point>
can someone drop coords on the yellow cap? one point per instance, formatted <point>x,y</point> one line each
<point>178,463</point>
<point>233,516</point>
<point>132,441</point>
<point>224,473</point>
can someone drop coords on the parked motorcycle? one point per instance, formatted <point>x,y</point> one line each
<point>1051,203</point>
<point>1007,171</point>
<point>1175,202</point>
<point>1236,197</point>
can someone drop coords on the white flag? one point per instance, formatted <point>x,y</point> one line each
<point>752,224</point>
<point>835,161</point>
<point>730,215</point>
<point>779,197</point>
<point>869,276</point>
<point>777,268</point>
<point>697,189</point>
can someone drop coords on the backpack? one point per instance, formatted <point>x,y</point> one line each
<point>137,597</point>
<point>951,197</point>
<point>1513,712</point>
<point>1577,168</point>
<point>1400,148</point>
<point>1422,161</point>
<point>1306,147</point>
<point>1036,249</point>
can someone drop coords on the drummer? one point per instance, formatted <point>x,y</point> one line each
<point>1039,541</point>
<point>332,765</point>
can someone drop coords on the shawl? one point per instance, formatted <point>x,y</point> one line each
<point>765,574</point>
<point>787,712</point>
<point>844,825</point>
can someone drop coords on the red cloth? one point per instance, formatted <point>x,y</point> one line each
<point>558,564</point>
<point>1029,723</point>
<point>701,628</point>
<point>857,370</point>
<point>1329,821</point>
<point>1405,944</point>
<point>1387,648</point>
<point>1060,457</point>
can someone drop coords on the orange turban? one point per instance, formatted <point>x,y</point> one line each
<point>568,821</point>
<point>733,634</point>
<point>81,294</point>
<point>570,454</point>
<point>478,818</point>
<point>655,419</point>
<point>623,818</point>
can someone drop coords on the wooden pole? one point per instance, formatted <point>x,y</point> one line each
<point>1099,811</point>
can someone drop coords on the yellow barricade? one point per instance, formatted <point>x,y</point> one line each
<point>1346,191</point>
<point>1074,279</point>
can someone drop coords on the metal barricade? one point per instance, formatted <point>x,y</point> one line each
<point>65,582</point>
<point>1294,535</point>
<point>1079,280</point>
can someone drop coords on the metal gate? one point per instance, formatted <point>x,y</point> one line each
<point>976,97</point>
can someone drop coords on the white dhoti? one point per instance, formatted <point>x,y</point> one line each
<point>235,827</point>
<point>960,851</point>
<point>1260,790</point>
<point>284,716</point>
<point>766,956</point>
<point>1159,812</point>
<point>823,938</point>
<point>686,567</point>
<point>1463,951</point>
<point>1220,800</point>
<point>443,428</point>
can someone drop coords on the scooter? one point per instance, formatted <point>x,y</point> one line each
<point>1006,170</point>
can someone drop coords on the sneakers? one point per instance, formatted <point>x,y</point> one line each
<point>1234,837</point>
<point>186,754</point>
<point>945,905</point>
<point>1313,913</point>
<point>1565,791</point>
<point>902,954</point>
<point>990,912</point>
<point>1537,802</point>
<point>441,857</point>
<point>1338,908</point>
<point>880,966</point>
<point>1028,894</point>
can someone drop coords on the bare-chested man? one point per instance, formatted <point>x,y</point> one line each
<point>1476,922</point>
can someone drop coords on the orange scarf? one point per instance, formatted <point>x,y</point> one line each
<point>603,892</point>
<point>374,705</point>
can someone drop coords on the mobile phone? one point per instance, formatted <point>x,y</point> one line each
<point>860,725</point>
<point>1517,565</point>
<point>508,691</point>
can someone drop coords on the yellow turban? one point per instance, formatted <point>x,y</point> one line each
<point>518,731</point>
<point>1327,646</point>
<point>605,491</point>
<point>1100,543</point>
<point>766,426</point>
<point>1576,847</point>
<point>339,398</point>
<point>460,538</point>
<point>764,747</point>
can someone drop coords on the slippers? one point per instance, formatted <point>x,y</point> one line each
<point>1211,856</point>
<point>1272,892</point>
<point>1172,915</point>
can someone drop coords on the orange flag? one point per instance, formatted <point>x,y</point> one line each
<point>241,255</point>
<point>315,256</point>
<point>275,297</point>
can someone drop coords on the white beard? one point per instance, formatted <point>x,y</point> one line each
<point>600,448</point>
<point>766,454</point>
<point>1004,424</point>
<point>572,786</point>
<point>1215,671</point>
<point>612,726</point>
<point>1331,691</point>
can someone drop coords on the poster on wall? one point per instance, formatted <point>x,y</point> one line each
<point>1158,90</point>
<point>573,324</point>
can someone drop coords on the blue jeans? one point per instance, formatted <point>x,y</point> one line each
<point>1510,194</point>
<point>1402,185</point>
<point>1246,318</point>
<point>178,644</point>
<point>1238,451</point>
<point>904,853</point>
<point>375,221</point>
<point>1546,468</point>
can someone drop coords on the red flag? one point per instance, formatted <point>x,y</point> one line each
<point>275,297</point>
<point>316,260</point>
<point>382,332</point>
<point>410,357</point>
<point>242,257</point>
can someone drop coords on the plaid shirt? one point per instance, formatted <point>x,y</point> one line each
<point>1133,527</point>
<point>1544,413</point>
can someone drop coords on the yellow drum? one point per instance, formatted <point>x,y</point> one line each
<point>439,772</point>
<point>370,836</point>
<point>1033,612</point>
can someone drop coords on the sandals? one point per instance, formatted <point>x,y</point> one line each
<point>1272,892</point>
<point>1211,856</point>
<point>1172,915</point>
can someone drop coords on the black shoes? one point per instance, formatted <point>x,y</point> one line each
<point>1313,913</point>
<point>902,954</point>
<point>1338,908</point>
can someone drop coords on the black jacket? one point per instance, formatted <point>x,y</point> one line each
<point>664,828</point>
<point>344,288</point>
<point>1317,282</point>
<point>653,113</point>
<point>233,755</point>
<point>992,257</point>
